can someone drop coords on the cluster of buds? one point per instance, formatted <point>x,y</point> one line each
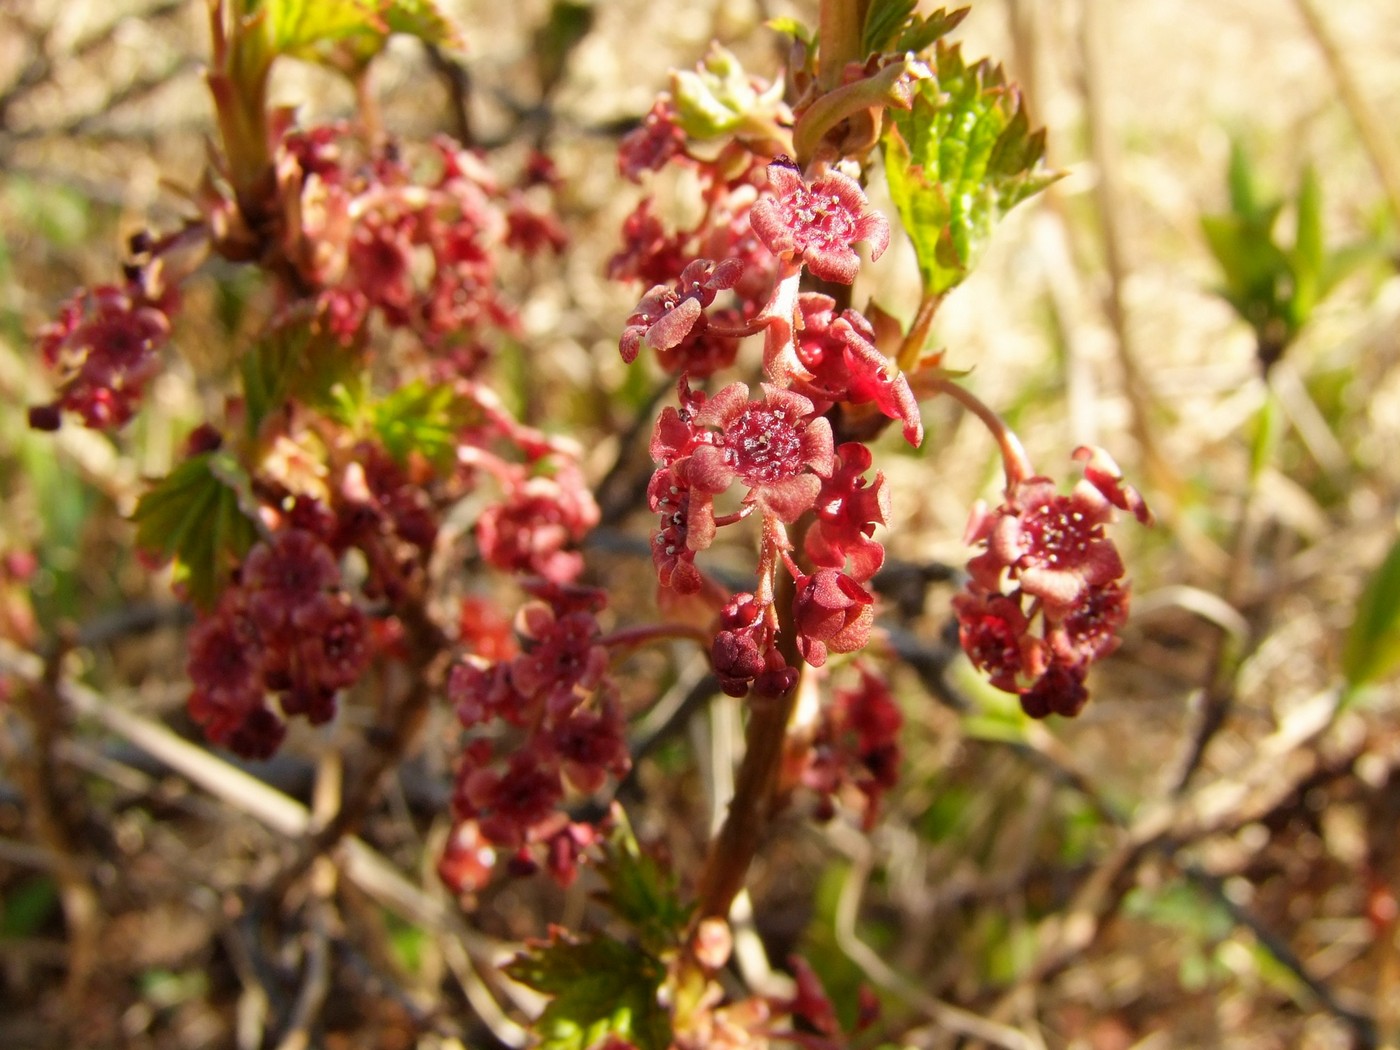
<point>355,234</point>
<point>1044,600</point>
<point>371,235</point>
<point>564,732</point>
<point>288,630</point>
<point>103,348</point>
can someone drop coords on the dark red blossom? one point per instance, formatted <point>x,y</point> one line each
<point>562,662</point>
<point>591,745</point>
<point>286,629</point>
<point>508,803</point>
<point>744,654</point>
<point>481,690</point>
<point>1055,544</point>
<point>668,494</point>
<point>649,146</point>
<point>536,528</point>
<point>832,612</point>
<point>839,353</point>
<point>993,631</point>
<point>563,731</point>
<point>818,223</point>
<point>333,644</point>
<point>285,575</point>
<point>649,253</point>
<point>103,348</point>
<point>1048,563</point>
<point>225,666</point>
<point>849,507</point>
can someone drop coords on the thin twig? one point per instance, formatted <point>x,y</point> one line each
<point>953,1018</point>
<point>1107,198</point>
<point>54,806</point>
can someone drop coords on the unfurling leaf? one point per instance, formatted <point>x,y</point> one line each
<point>357,29</point>
<point>640,891</point>
<point>599,987</point>
<point>197,515</point>
<point>957,161</point>
<point>1273,287</point>
<point>420,418</point>
<point>719,98</point>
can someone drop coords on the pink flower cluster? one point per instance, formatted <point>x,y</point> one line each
<point>103,348</point>
<point>1044,599</point>
<point>567,735</point>
<point>781,451</point>
<point>823,369</point>
<point>855,748</point>
<point>288,630</point>
<point>376,238</point>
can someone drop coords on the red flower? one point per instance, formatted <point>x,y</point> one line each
<point>848,509</point>
<point>774,446</point>
<point>1047,562</point>
<point>104,347</point>
<point>1055,543</point>
<point>818,223</point>
<point>534,528</point>
<point>285,575</point>
<point>650,146</point>
<point>992,631</point>
<point>840,354</point>
<point>561,661</point>
<point>666,315</point>
<point>832,612</point>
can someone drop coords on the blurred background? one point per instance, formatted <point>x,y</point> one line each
<point>1206,857</point>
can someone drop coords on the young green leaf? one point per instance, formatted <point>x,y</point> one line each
<point>921,31</point>
<point>957,161</point>
<point>639,891</point>
<point>420,418</point>
<point>718,98</point>
<point>1372,648</point>
<point>308,28</point>
<point>198,514</point>
<point>289,362</point>
<point>1274,287</point>
<point>883,20</point>
<point>599,987</point>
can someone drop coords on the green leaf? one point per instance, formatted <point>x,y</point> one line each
<point>957,161</point>
<point>1372,649</point>
<point>421,418</point>
<point>296,25</point>
<point>922,31</point>
<point>1240,181</point>
<point>200,515</point>
<point>599,987</point>
<point>291,363</point>
<point>883,19</point>
<point>640,891</point>
<point>312,29</point>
